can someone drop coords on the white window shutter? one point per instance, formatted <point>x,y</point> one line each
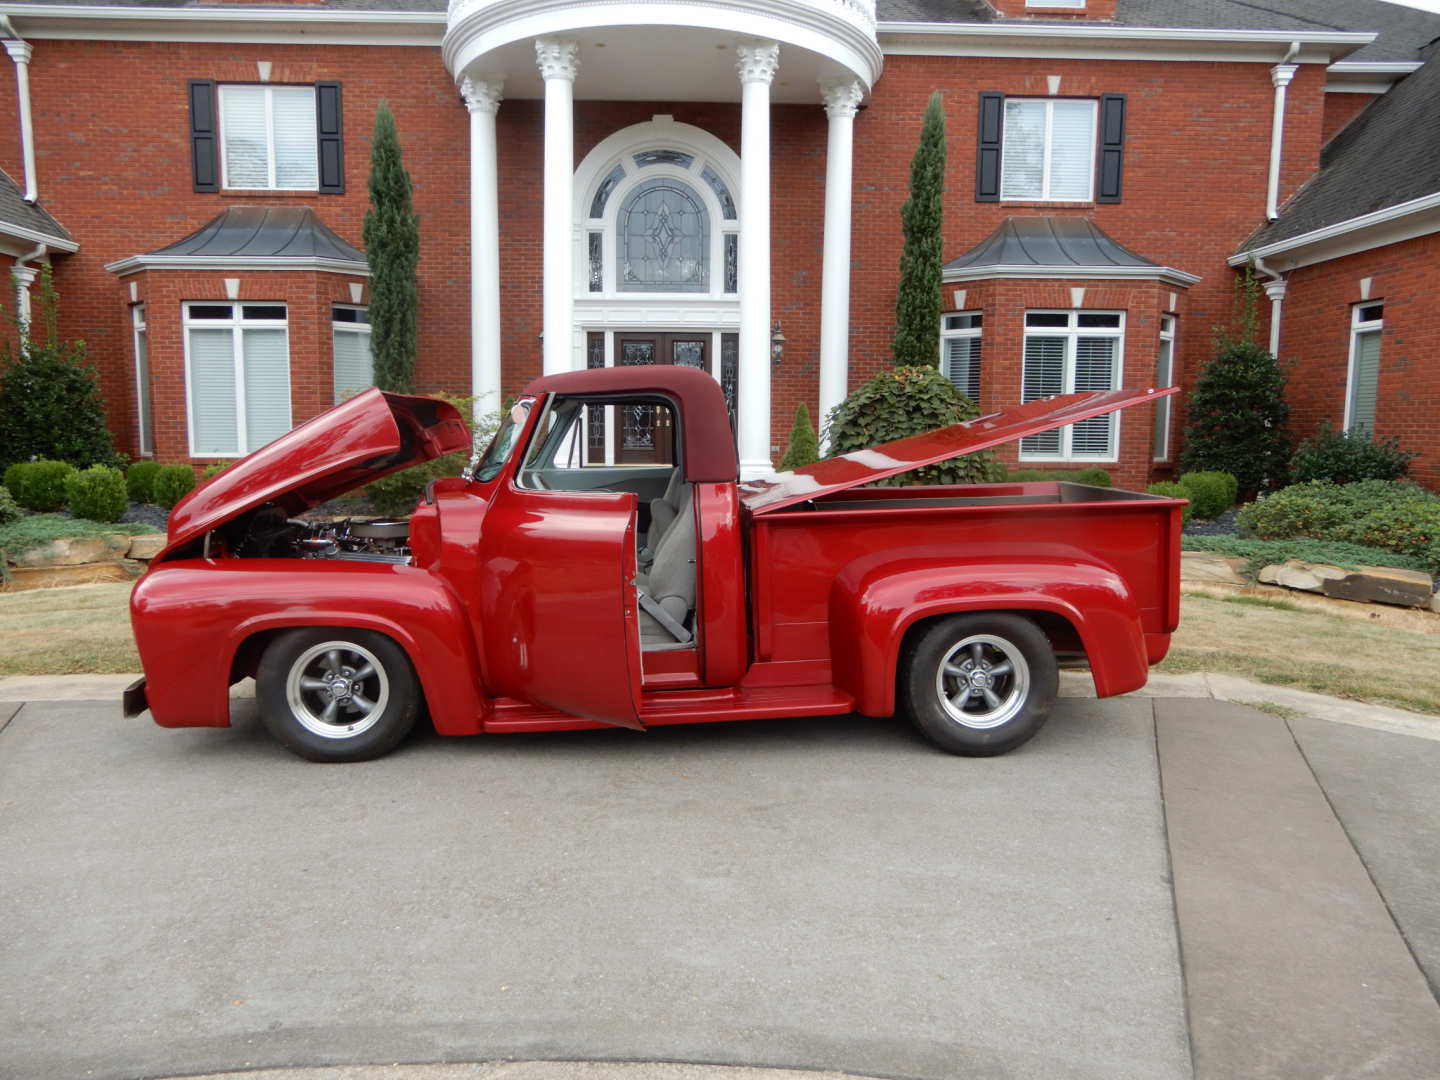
<point>1022,170</point>
<point>295,137</point>
<point>1044,375</point>
<point>1072,150</point>
<point>1094,370</point>
<point>214,426</point>
<point>242,125</point>
<point>1365,381</point>
<point>267,386</point>
<point>354,367</point>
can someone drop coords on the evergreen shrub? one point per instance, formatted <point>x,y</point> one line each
<point>140,481</point>
<point>9,508</point>
<point>1210,493</point>
<point>172,483</point>
<point>1238,418</point>
<point>391,234</point>
<point>1172,490</point>
<point>97,493</point>
<point>396,495</point>
<point>917,301</point>
<point>1093,477</point>
<point>42,485</point>
<point>804,446</point>
<point>1343,457</point>
<point>909,401</point>
<point>213,469</point>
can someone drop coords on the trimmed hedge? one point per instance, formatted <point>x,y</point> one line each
<point>1093,476</point>
<point>173,483</point>
<point>1171,490</point>
<point>39,485</point>
<point>1343,457</point>
<point>140,481</point>
<point>1210,493</point>
<point>214,469</point>
<point>97,493</point>
<point>1396,516</point>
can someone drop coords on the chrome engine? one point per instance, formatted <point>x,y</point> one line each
<point>384,540</point>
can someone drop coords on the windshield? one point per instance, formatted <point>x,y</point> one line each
<point>488,466</point>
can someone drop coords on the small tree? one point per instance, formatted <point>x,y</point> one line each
<point>917,306</point>
<point>392,247</point>
<point>909,401</point>
<point>804,448</point>
<point>1239,418</point>
<point>50,404</point>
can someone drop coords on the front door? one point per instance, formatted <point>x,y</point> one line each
<point>646,434</point>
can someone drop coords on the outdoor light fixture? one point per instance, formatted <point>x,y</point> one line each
<point>777,343</point>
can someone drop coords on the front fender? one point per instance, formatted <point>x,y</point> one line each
<point>873,604</point>
<point>191,618</point>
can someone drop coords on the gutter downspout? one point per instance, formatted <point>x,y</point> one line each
<point>23,277</point>
<point>21,51</point>
<point>1280,76</point>
<point>1275,289</point>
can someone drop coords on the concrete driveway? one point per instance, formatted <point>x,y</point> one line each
<point>828,894</point>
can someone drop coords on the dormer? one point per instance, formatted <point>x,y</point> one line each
<point>1086,10</point>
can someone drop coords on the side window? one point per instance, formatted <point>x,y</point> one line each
<point>558,457</point>
<point>1050,149</point>
<point>263,137</point>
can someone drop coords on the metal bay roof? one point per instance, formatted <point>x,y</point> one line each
<point>276,238</point>
<point>1074,247</point>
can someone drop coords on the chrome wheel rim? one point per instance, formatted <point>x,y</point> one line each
<point>337,690</point>
<point>982,681</point>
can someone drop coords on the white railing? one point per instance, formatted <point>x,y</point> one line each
<point>859,13</point>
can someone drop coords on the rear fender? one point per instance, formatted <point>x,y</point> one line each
<point>192,618</point>
<point>873,606</point>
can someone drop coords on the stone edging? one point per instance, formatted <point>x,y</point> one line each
<point>1367,585</point>
<point>81,560</point>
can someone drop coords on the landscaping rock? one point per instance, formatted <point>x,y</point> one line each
<point>22,579</point>
<point>1300,575</point>
<point>1379,585</point>
<point>1204,567</point>
<point>80,550</point>
<point>146,546</point>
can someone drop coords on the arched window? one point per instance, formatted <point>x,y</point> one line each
<point>662,239</point>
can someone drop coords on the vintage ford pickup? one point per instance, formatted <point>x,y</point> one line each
<point>546,589</point>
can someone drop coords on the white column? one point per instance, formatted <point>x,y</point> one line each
<point>757,63</point>
<point>1275,290</point>
<point>20,52</point>
<point>558,66</point>
<point>842,99</point>
<point>1280,75</point>
<point>482,98</point>
<point>23,277</point>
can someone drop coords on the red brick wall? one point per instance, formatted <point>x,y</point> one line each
<point>1315,334</point>
<point>1195,177</point>
<point>1340,109</point>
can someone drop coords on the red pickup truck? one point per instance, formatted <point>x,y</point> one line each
<point>546,589</point>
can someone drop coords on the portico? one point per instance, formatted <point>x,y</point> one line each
<point>662,228</point>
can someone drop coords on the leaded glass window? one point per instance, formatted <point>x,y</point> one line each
<point>722,192</point>
<point>664,157</point>
<point>597,263</point>
<point>602,193</point>
<point>730,372</point>
<point>595,414</point>
<point>732,262</point>
<point>662,239</point>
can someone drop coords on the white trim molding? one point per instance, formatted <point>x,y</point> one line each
<point>30,238</point>
<point>1082,273</point>
<point>282,24</point>
<point>1367,77</point>
<point>1403,221</point>
<point>135,263</point>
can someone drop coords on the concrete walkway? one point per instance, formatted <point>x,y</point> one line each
<point>1152,888</point>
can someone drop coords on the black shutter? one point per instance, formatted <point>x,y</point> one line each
<point>991,134</point>
<point>1112,149</point>
<point>204,157</point>
<point>331,139</point>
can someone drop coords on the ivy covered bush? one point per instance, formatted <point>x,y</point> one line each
<point>97,493</point>
<point>39,485</point>
<point>1343,457</point>
<point>1210,493</point>
<point>909,401</point>
<point>172,483</point>
<point>1172,490</point>
<point>140,481</point>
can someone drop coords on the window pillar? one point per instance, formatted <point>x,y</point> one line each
<point>757,62</point>
<point>482,98</point>
<point>558,66</point>
<point>842,99</point>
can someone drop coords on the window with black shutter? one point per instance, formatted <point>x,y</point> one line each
<point>1050,149</point>
<point>267,137</point>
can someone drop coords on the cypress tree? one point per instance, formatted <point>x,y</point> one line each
<point>804,448</point>
<point>392,247</point>
<point>917,307</point>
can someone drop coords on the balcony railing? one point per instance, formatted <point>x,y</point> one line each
<point>860,13</point>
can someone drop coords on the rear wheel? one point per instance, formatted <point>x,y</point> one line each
<point>979,684</point>
<point>336,694</point>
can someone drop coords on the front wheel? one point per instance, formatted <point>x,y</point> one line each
<point>979,685</point>
<point>336,694</point>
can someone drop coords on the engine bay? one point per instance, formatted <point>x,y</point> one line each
<point>268,533</point>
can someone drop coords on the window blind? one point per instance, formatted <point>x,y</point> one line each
<point>243,128</point>
<point>962,365</point>
<point>293,110</point>
<point>1365,380</point>
<point>1043,376</point>
<point>267,386</point>
<point>1072,150</point>
<point>1094,370</point>
<point>1022,174</point>
<point>354,367</point>
<point>214,424</point>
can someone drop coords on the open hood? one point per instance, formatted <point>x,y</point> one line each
<point>357,441</point>
<point>859,467</point>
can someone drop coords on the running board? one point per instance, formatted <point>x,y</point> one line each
<point>661,708</point>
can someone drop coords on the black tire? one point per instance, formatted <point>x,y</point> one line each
<point>311,719</point>
<point>994,658</point>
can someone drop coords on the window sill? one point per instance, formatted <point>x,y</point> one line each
<point>1027,460</point>
<point>272,193</point>
<point>1025,203</point>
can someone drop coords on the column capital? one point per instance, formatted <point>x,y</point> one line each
<point>24,275</point>
<point>757,61</point>
<point>1275,288</point>
<point>1281,74</point>
<point>20,51</point>
<point>483,94</point>
<point>842,97</point>
<point>557,58</point>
